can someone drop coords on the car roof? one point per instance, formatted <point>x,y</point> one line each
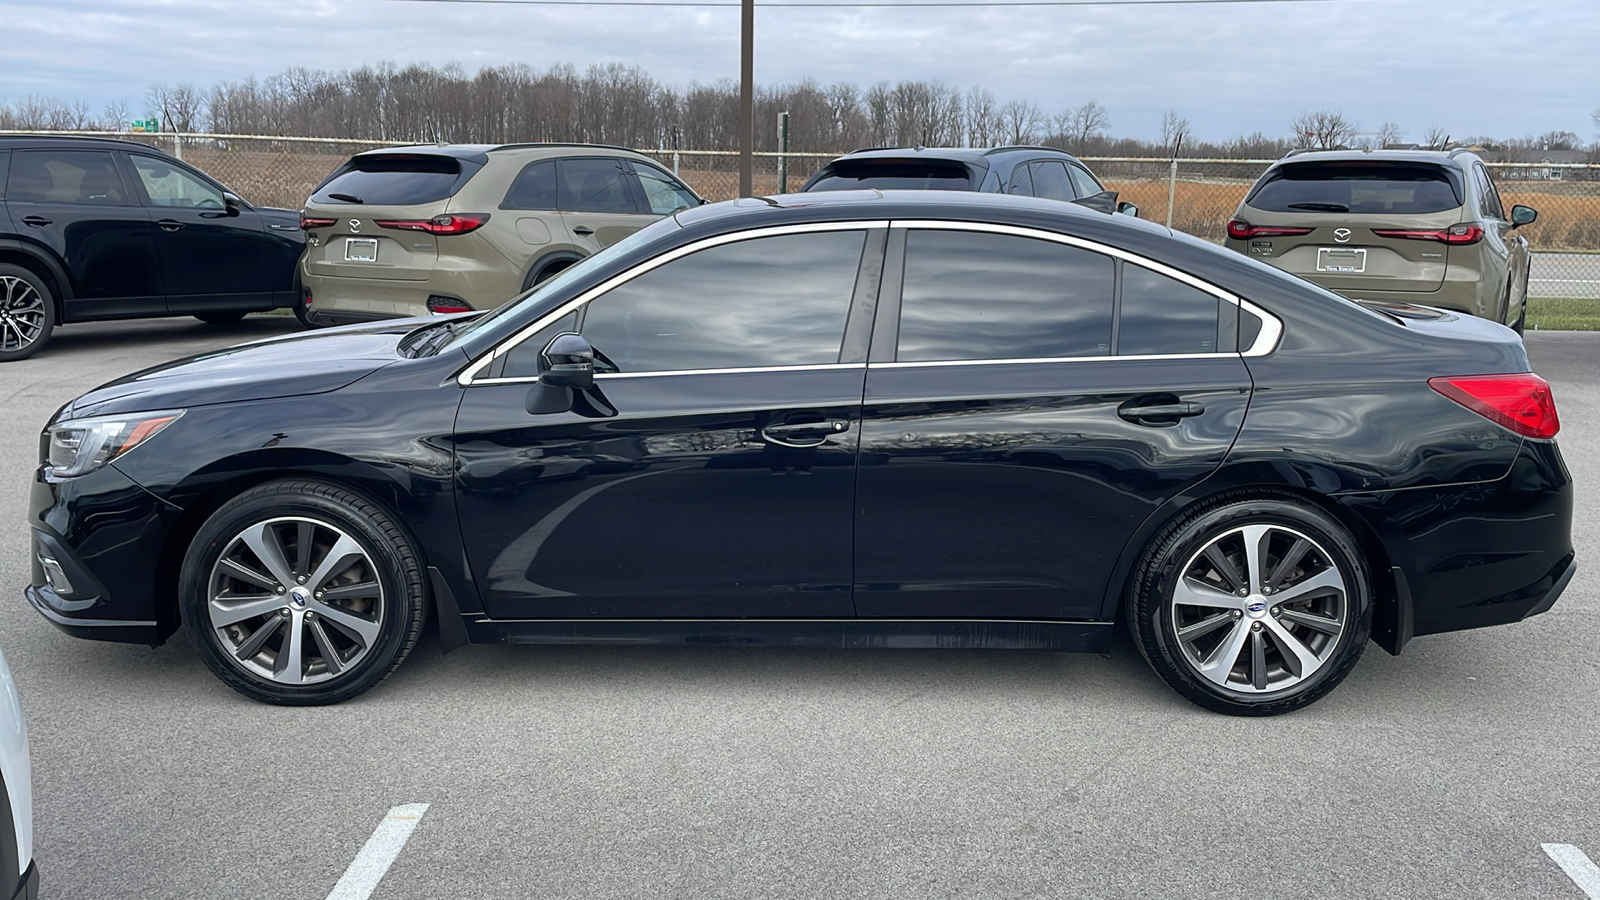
<point>479,153</point>
<point>976,155</point>
<point>37,141</point>
<point>1448,158</point>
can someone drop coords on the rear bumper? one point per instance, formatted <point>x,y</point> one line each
<point>340,299</point>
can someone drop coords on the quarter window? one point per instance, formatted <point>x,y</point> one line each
<point>167,185</point>
<point>534,188</point>
<point>65,176</point>
<point>1021,182</point>
<point>1162,315</point>
<point>662,193</point>
<point>594,185</point>
<point>1490,196</point>
<point>973,296</point>
<point>1050,181</point>
<point>773,301</point>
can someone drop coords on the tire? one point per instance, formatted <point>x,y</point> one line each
<point>248,616</point>
<point>27,313</point>
<point>550,270</point>
<point>1522,314</point>
<point>1307,645</point>
<point>219,318</point>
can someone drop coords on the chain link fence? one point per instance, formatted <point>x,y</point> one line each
<point>1197,196</point>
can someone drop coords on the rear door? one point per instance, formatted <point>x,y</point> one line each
<point>76,205</point>
<point>598,201</point>
<point>369,190</point>
<point>212,257</point>
<point>1029,403</point>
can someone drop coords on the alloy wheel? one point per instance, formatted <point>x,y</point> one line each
<point>22,313</point>
<point>295,600</point>
<point>1259,609</point>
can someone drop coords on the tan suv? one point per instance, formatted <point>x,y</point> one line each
<point>1394,226</point>
<point>410,231</point>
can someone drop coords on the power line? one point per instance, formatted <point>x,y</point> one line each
<point>864,4</point>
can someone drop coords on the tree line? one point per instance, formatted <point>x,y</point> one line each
<point>624,105</point>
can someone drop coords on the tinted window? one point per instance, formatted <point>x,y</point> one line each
<point>1050,181</point>
<point>775,301</point>
<point>5,166</point>
<point>1021,182</point>
<point>1358,187</point>
<point>395,180</point>
<point>594,185</point>
<point>1163,315</point>
<point>989,296</point>
<point>168,185</point>
<point>523,361</point>
<point>663,193</point>
<point>1490,200</point>
<point>535,187</point>
<point>65,176</point>
<point>1087,185</point>
<point>893,175</point>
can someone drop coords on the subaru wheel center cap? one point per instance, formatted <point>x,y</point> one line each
<point>1257,608</point>
<point>298,597</point>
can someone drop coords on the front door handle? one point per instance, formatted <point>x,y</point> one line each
<point>804,434</point>
<point>277,227</point>
<point>170,224</point>
<point>583,230</point>
<point>35,221</point>
<point>1142,412</point>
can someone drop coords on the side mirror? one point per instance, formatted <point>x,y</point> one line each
<point>1128,209</point>
<point>1523,215</point>
<point>1105,201</point>
<point>568,362</point>
<point>233,202</point>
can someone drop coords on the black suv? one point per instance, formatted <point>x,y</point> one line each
<point>105,229</point>
<point>1030,171</point>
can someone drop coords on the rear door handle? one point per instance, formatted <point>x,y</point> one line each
<point>583,230</point>
<point>170,224</point>
<point>35,221</point>
<point>804,434</point>
<point>1159,413</point>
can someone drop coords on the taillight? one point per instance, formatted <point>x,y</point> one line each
<point>1465,233</point>
<point>307,223</point>
<point>440,305</point>
<point>454,223</point>
<point>1522,403</point>
<point>1239,229</point>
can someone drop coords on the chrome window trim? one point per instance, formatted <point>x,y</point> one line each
<point>922,364</point>
<point>1266,340</point>
<point>748,370</point>
<point>465,379</point>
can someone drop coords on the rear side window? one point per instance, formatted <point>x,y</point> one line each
<point>534,188</point>
<point>1490,199</point>
<point>975,296</point>
<point>594,185</point>
<point>1162,315</point>
<point>5,166</point>
<point>1050,181</point>
<point>1021,182</point>
<point>395,180</point>
<point>1358,187</point>
<point>65,176</point>
<point>894,175</point>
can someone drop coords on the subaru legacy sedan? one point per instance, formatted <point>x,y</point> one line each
<point>907,419</point>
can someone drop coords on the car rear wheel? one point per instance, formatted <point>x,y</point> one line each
<point>302,593</point>
<point>219,318</point>
<point>1253,607</point>
<point>27,313</point>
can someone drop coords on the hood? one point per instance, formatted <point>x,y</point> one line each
<point>310,363</point>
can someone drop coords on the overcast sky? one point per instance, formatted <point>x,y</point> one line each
<point>1471,66</point>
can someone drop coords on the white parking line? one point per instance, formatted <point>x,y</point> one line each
<point>1584,874</point>
<point>374,859</point>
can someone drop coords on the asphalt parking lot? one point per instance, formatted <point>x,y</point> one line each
<point>614,772</point>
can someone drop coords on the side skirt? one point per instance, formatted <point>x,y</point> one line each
<point>853,634</point>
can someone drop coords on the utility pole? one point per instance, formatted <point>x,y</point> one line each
<point>747,99</point>
<point>783,147</point>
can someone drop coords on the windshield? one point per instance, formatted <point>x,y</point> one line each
<point>893,175</point>
<point>1357,187</point>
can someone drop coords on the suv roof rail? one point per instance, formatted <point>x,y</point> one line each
<point>871,149</point>
<point>1297,151</point>
<point>1457,150</point>
<point>525,144</point>
<point>1007,147</point>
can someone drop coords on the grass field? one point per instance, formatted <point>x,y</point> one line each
<point>1562,314</point>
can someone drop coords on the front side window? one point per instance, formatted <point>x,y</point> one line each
<point>1162,315</point>
<point>1050,181</point>
<point>1087,185</point>
<point>167,185</point>
<point>975,296</point>
<point>772,301</point>
<point>662,193</point>
<point>65,176</point>
<point>534,187</point>
<point>593,185</point>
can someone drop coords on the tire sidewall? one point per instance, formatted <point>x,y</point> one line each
<point>401,583</point>
<point>49,297</point>
<point>1172,551</point>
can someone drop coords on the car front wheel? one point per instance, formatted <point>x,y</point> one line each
<point>302,593</point>
<point>1253,607</point>
<point>27,313</point>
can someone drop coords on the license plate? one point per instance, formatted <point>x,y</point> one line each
<point>1341,259</point>
<point>361,249</point>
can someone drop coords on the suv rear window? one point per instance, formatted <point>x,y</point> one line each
<point>893,175</point>
<point>1358,187</point>
<point>396,180</point>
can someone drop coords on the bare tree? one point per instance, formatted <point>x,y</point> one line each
<point>180,106</point>
<point>1436,138</point>
<point>1322,130</point>
<point>1174,130</point>
<point>1019,122</point>
<point>1558,140</point>
<point>1085,122</point>
<point>1389,133</point>
<point>981,117</point>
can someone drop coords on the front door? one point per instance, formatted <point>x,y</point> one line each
<point>710,472</point>
<point>1029,403</point>
<point>212,257</point>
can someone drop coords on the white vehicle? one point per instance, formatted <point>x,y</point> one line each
<point>19,880</point>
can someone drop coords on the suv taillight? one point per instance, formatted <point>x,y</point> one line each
<point>307,223</point>
<point>1522,403</point>
<point>1239,229</point>
<point>454,223</point>
<point>1465,233</point>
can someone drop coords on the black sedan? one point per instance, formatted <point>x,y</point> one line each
<point>858,420</point>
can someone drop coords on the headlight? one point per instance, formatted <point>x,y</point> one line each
<point>83,445</point>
